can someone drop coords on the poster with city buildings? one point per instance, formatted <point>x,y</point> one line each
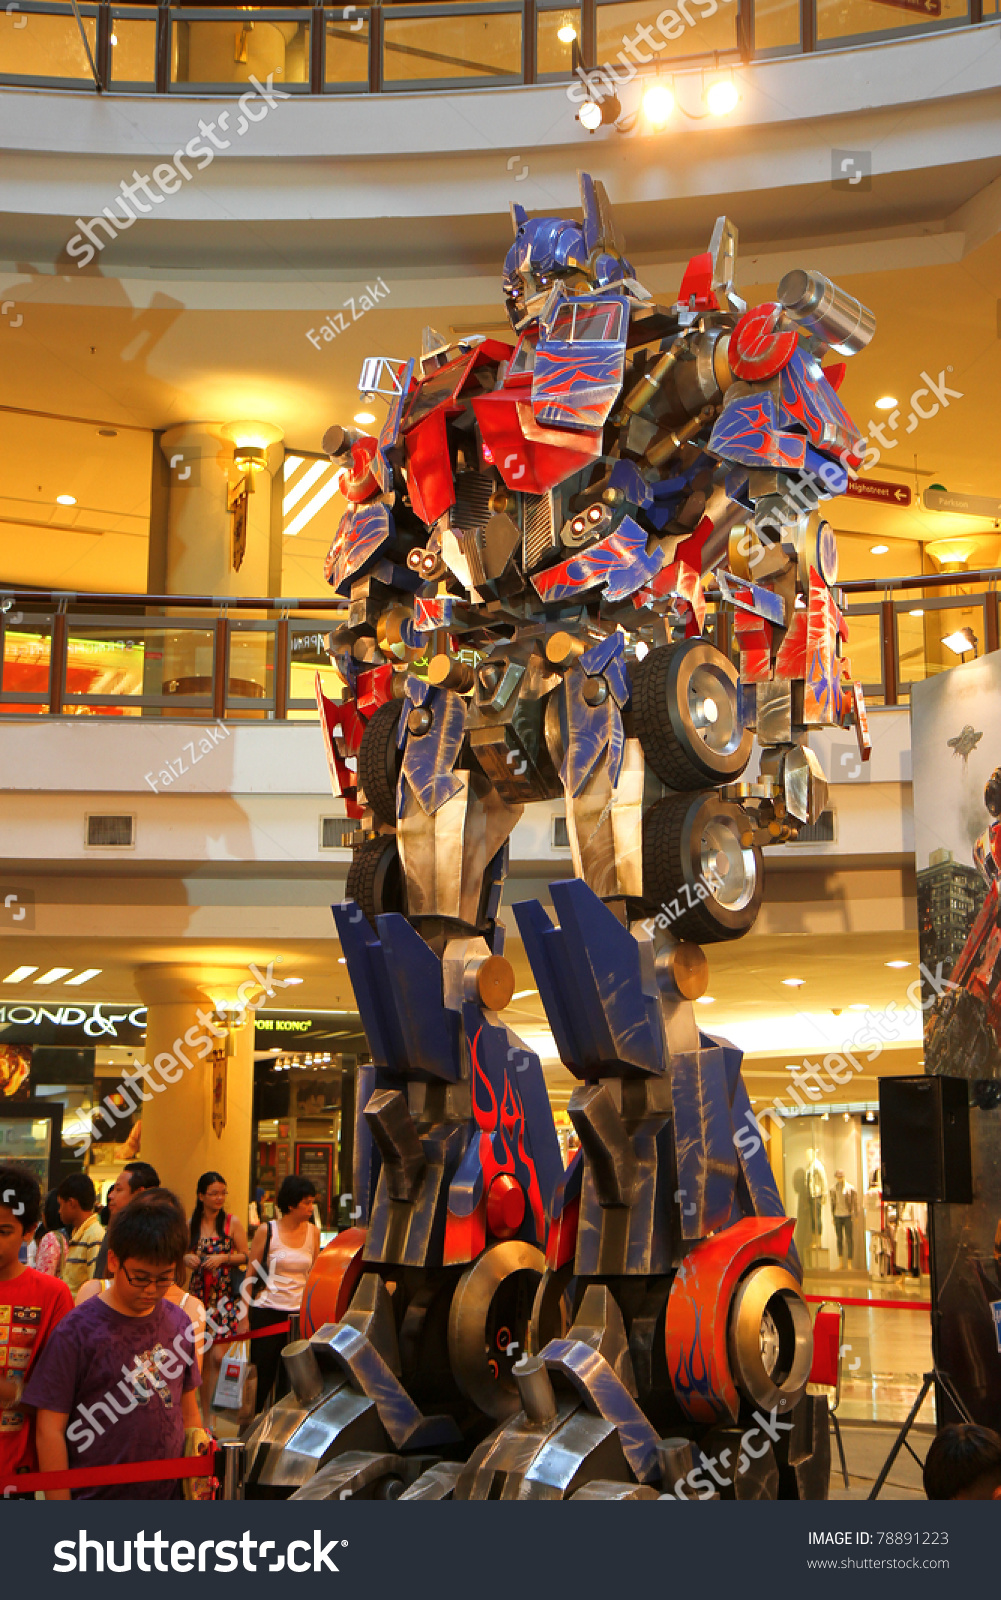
<point>956,753</point>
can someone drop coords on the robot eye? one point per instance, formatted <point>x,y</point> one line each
<point>578,524</point>
<point>594,514</point>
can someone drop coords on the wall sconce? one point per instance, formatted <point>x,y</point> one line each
<point>251,442</point>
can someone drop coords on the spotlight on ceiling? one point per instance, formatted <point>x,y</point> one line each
<point>65,499</point>
<point>589,116</point>
<point>886,402</point>
<point>658,104</point>
<point>793,983</point>
<point>878,549</point>
<point>364,416</point>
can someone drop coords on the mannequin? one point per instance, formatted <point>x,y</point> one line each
<point>844,1209</point>
<point>816,1188</point>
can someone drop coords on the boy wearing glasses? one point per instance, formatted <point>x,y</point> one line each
<point>118,1381</point>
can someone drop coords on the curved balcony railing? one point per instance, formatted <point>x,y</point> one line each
<point>192,657</point>
<point>432,44</point>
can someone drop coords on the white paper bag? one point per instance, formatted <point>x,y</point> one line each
<point>232,1377</point>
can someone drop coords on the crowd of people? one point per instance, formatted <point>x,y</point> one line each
<point>111,1339</point>
<point>112,1336</point>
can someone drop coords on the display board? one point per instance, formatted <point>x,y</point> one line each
<point>956,745</point>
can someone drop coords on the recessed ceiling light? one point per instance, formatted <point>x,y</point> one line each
<point>54,974</point>
<point>65,500</point>
<point>886,402</point>
<point>896,963</point>
<point>364,416</point>
<point>859,1005</point>
<point>706,1000</point>
<point>918,611</point>
<point>878,549</point>
<point>794,983</point>
<point>83,977</point>
<point>19,974</point>
<point>287,981</point>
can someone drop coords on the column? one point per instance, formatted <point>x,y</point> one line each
<point>202,472</point>
<point>178,1138</point>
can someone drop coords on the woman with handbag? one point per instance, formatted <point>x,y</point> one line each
<point>281,1258</point>
<point>217,1254</point>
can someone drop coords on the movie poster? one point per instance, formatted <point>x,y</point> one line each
<point>956,746</point>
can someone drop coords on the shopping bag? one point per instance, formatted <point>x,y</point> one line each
<point>232,1380</point>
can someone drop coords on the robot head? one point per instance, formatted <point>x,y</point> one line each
<point>992,793</point>
<point>546,250</point>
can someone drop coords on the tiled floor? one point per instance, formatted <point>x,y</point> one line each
<point>886,1351</point>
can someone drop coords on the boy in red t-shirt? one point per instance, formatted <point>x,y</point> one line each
<point>31,1304</point>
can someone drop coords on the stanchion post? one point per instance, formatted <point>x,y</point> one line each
<point>234,1462</point>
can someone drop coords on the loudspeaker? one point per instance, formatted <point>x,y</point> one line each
<point>924,1133</point>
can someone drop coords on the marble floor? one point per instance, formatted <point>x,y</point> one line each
<point>886,1350</point>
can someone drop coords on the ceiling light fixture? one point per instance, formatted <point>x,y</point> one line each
<point>19,974</point>
<point>896,963</point>
<point>859,1005</point>
<point>886,402</point>
<point>54,974</point>
<point>65,500</point>
<point>567,33</point>
<point>918,611</point>
<point>793,983</point>
<point>83,977</point>
<point>591,116</point>
<point>364,416</point>
<point>878,549</point>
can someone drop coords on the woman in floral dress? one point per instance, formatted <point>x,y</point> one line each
<point>218,1244</point>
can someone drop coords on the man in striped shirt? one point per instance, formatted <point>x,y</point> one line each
<point>77,1197</point>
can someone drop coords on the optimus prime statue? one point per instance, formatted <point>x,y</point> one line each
<point>542,518</point>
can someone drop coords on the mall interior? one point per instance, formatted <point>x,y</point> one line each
<point>314,186</point>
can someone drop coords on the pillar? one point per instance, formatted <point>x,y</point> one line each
<point>178,1138</point>
<point>202,473</point>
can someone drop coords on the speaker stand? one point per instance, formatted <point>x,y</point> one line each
<point>900,1442</point>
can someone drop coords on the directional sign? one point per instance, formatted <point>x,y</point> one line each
<point>887,494</point>
<point>969,505</point>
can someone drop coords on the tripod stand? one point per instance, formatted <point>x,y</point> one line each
<point>934,1376</point>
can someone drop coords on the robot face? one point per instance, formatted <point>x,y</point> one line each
<point>547,250</point>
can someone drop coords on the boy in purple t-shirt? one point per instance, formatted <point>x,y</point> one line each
<point>118,1382</point>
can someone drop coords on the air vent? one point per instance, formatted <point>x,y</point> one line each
<point>338,833</point>
<point>820,832</point>
<point>561,839</point>
<point>110,833</point>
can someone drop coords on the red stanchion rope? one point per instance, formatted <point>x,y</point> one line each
<point>125,1472</point>
<point>258,1333</point>
<point>891,1305</point>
